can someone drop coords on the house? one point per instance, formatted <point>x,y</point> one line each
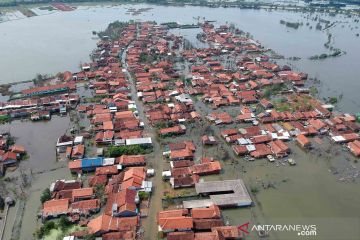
<point>78,151</point>
<point>60,185</point>
<point>184,181</point>
<point>75,166</point>
<point>106,224</point>
<point>181,236</point>
<point>180,171</point>
<point>52,89</point>
<point>133,178</point>
<point>55,208</point>
<point>182,145</point>
<point>86,207</point>
<point>207,223</point>
<point>106,170</point>
<point>90,164</point>
<point>172,213</point>
<point>206,168</point>
<point>261,150</point>
<point>139,141</point>
<point>303,141</point>
<point>279,148</point>
<point>122,204</point>
<point>108,136</point>
<point>99,137</point>
<point>318,124</point>
<point>119,235</point>
<point>98,180</point>
<point>181,163</point>
<point>80,194</point>
<point>108,126</point>
<point>208,140</point>
<point>131,160</point>
<point>63,142</point>
<point>175,130</point>
<point>240,149</point>
<point>246,117</point>
<point>182,154</point>
<point>9,158</point>
<point>354,148</point>
<point>172,224</point>
<point>212,211</point>
<point>228,132</point>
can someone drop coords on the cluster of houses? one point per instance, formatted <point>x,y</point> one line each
<point>114,125</point>
<point>274,102</point>
<point>38,108</point>
<point>10,154</point>
<point>274,106</point>
<point>195,224</point>
<point>184,171</point>
<point>158,84</point>
<point>117,187</point>
<point>120,199</point>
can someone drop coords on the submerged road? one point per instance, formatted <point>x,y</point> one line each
<point>155,160</point>
<point>4,221</point>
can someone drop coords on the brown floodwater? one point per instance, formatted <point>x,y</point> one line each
<point>39,139</point>
<point>310,192</point>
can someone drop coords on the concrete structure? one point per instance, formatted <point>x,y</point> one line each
<point>232,193</point>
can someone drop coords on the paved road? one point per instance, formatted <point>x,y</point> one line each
<point>155,160</point>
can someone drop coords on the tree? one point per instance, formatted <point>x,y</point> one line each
<point>64,223</point>
<point>45,195</point>
<point>333,100</point>
<point>44,230</point>
<point>117,151</point>
<point>144,195</point>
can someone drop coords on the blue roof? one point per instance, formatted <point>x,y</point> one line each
<point>91,162</point>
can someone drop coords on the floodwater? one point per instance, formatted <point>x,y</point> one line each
<point>51,43</point>
<point>309,193</point>
<point>39,139</point>
<point>322,189</point>
<point>304,194</point>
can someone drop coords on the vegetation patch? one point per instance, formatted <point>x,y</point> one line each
<point>114,30</point>
<point>117,151</point>
<point>300,103</point>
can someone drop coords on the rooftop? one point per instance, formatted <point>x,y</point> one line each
<point>239,195</point>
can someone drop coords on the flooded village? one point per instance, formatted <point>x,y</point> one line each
<point>156,137</point>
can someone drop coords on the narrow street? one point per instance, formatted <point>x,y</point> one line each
<point>154,160</point>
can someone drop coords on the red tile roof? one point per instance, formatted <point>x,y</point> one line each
<point>211,212</point>
<point>172,223</point>
<point>105,223</point>
<point>55,207</point>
